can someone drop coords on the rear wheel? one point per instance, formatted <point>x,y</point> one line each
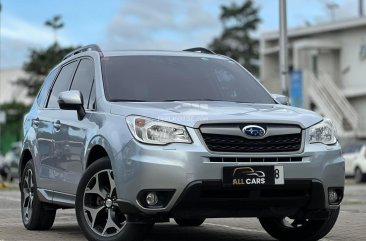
<point>302,230</point>
<point>35,214</point>
<point>189,222</point>
<point>359,176</point>
<point>97,211</point>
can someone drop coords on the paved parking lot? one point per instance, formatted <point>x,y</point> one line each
<point>350,225</point>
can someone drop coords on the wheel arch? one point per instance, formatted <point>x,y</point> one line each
<point>95,153</point>
<point>98,147</point>
<point>24,158</point>
<point>358,166</point>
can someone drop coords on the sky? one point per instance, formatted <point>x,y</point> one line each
<point>139,24</point>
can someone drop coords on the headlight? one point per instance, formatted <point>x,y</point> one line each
<point>324,132</point>
<point>157,132</point>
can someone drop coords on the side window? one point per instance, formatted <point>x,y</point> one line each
<point>46,87</point>
<point>92,98</point>
<point>83,79</point>
<point>62,83</point>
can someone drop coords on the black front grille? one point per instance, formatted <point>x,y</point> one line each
<point>256,159</point>
<point>228,143</point>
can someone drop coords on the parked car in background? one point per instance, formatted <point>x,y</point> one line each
<point>9,165</point>
<point>12,159</point>
<point>4,169</point>
<point>355,158</point>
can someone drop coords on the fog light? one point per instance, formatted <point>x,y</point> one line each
<point>151,198</point>
<point>333,196</point>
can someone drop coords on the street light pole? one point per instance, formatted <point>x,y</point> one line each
<point>360,8</point>
<point>0,75</point>
<point>283,52</point>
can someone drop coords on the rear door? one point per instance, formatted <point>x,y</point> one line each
<point>43,129</point>
<point>70,138</point>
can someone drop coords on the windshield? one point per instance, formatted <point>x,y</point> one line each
<point>178,78</point>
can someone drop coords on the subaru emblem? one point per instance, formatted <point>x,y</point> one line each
<point>254,131</point>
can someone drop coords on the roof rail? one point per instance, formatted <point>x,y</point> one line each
<point>83,49</point>
<point>200,50</point>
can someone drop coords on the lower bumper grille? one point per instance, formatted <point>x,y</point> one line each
<point>211,199</point>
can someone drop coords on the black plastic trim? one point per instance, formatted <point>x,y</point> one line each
<point>300,198</point>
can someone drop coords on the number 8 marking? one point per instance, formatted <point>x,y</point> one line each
<point>277,173</point>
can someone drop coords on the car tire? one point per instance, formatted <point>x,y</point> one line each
<point>359,176</point>
<point>300,230</point>
<point>189,222</point>
<point>36,215</point>
<point>98,214</point>
<point>5,173</point>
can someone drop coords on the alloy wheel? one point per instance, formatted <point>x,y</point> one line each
<point>100,206</point>
<point>28,195</point>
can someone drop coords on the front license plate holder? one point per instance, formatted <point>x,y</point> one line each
<point>253,175</point>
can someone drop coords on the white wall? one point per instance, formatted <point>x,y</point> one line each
<point>9,91</point>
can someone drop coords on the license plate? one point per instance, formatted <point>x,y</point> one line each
<point>253,175</point>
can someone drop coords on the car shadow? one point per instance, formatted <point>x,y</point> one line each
<point>172,232</point>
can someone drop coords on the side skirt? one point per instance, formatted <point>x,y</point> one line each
<point>63,200</point>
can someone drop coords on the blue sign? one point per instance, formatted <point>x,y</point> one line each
<point>296,88</point>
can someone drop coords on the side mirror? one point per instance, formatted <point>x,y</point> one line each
<point>281,99</point>
<point>72,100</point>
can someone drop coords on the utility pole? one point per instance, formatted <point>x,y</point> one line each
<point>332,7</point>
<point>1,113</point>
<point>283,52</point>
<point>360,8</point>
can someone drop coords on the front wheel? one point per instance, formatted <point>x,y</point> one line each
<point>97,211</point>
<point>301,230</point>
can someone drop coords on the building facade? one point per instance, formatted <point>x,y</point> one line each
<point>327,71</point>
<point>9,91</point>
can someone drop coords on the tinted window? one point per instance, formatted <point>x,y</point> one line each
<point>46,87</point>
<point>83,79</point>
<point>92,98</point>
<point>164,78</point>
<point>62,84</point>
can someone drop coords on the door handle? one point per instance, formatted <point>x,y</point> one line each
<point>35,122</point>
<point>57,125</point>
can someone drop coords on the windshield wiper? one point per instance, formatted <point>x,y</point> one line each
<point>126,100</point>
<point>193,100</point>
<point>206,100</point>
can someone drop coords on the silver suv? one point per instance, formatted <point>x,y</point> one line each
<point>133,138</point>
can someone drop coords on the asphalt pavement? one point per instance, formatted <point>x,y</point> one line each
<point>350,226</point>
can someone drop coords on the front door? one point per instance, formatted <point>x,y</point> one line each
<point>70,134</point>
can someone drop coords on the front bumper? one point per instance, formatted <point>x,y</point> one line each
<point>182,167</point>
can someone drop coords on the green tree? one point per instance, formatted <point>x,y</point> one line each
<point>37,67</point>
<point>236,41</point>
<point>41,61</point>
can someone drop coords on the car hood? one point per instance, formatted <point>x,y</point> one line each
<point>194,113</point>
